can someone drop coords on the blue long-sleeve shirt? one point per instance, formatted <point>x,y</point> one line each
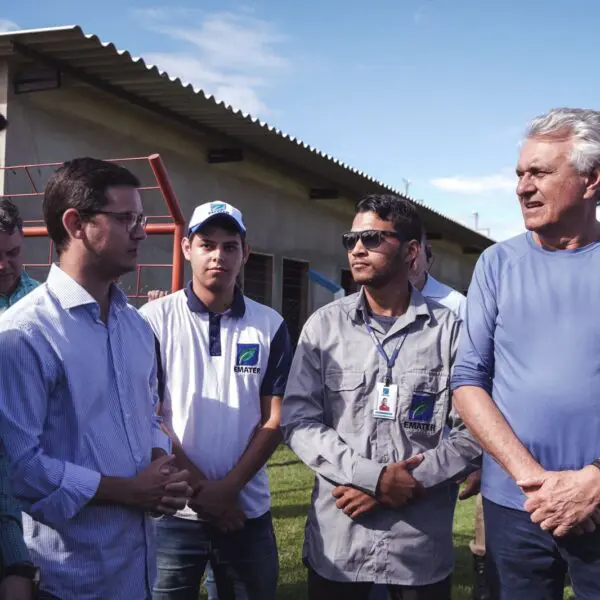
<point>531,338</point>
<point>78,402</point>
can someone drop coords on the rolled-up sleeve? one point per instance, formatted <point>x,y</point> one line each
<point>52,491</point>
<point>304,430</point>
<point>457,454</point>
<point>475,359</point>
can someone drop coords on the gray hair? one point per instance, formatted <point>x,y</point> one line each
<point>10,219</point>
<point>582,124</point>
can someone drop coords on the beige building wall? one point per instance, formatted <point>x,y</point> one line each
<point>75,121</point>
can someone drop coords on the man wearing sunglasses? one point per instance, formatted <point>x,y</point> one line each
<point>385,486</point>
<point>79,392</point>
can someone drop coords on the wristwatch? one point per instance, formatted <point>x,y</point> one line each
<point>27,571</point>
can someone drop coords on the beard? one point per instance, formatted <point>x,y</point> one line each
<point>380,278</point>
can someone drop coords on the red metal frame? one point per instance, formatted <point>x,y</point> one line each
<point>175,226</point>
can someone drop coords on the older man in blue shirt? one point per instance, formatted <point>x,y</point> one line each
<point>78,376</point>
<point>527,375</point>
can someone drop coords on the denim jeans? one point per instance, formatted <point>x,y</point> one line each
<point>211,586</point>
<point>527,563</point>
<point>248,556</point>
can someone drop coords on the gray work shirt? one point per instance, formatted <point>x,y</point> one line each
<point>328,422</point>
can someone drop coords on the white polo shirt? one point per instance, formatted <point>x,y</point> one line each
<point>445,295</point>
<point>215,370</point>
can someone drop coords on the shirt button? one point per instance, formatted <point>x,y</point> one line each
<point>385,458</point>
<point>127,416</point>
<point>137,458</point>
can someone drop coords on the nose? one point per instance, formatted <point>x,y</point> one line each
<point>525,186</point>
<point>359,249</point>
<point>139,233</point>
<point>3,262</point>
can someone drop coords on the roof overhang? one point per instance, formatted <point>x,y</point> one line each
<point>87,59</point>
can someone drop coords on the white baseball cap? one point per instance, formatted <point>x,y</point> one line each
<point>206,212</point>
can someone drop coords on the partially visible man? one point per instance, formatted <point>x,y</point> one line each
<point>386,472</point>
<point>18,574</point>
<point>78,378</point>
<point>14,281</point>
<point>225,360</point>
<point>430,287</point>
<point>526,380</point>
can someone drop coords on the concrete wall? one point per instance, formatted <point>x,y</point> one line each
<point>57,125</point>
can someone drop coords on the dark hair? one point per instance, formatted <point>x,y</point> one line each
<point>80,183</point>
<point>10,219</point>
<point>221,222</point>
<point>400,212</point>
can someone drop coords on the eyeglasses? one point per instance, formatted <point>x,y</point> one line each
<point>370,238</point>
<point>131,220</point>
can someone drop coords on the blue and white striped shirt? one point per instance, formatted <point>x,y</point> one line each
<point>78,402</point>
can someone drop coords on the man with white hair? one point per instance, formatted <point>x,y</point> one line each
<point>527,375</point>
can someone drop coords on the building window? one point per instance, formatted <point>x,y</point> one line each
<point>258,278</point>
<point>294,302</point>
<point>348,283</point>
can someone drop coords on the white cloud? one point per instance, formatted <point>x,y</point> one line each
<point>231,56</point>
<point>6,26</point>
<point>476,185</point>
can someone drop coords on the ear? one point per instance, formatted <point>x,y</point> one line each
<point>73,224</point>
<point>247,251</point>
<point>411,252</point>
<point>186,248</point>
<point>592,185</point>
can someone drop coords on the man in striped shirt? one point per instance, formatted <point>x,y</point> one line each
<point>78,377</point>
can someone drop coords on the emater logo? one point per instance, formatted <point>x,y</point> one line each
<point>246,360</point>
<point>217,207</point>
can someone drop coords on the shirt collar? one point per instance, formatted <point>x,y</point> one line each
<point>70,294</point>
<point>432,288</point>
<point>417,308</point>
<point>237,310</point>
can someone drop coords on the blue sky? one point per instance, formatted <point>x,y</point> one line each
<point>430,92</point>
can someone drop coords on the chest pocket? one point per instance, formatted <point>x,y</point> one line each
<point>345,399</point>
<point>423,406</point>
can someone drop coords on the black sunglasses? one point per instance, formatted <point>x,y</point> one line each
<point>370,238</point>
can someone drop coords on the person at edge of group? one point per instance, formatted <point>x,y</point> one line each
<point>78,369</point>
<point>225,360</point>
<point>19,577</point>
<point>430,287</point>
<point>15,283</point>
<point>526,378</point>
<point>385,487</point>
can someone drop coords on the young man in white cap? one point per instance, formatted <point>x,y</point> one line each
<point>225,361</point>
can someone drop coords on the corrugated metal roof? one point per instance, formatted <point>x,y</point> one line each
<point>121,72</point>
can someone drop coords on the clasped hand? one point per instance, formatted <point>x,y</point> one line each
<point>218,501</point>
<point>563,502</point>
<point>397,487</point>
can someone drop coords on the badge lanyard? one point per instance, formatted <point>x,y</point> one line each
<point>389,361</point>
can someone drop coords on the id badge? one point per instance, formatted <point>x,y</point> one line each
<point>385,401</point>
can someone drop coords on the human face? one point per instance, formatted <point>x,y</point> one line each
<point>109,236</point>
<point>216,256</point>
<point>389,261</point>
<point>420,267</point>
<point>11,261</point>
<point>552,194</point>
